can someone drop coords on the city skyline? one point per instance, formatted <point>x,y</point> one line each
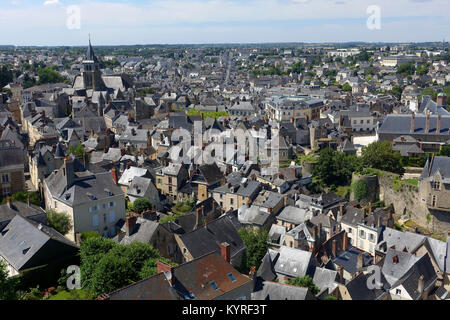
<point>51,22</point>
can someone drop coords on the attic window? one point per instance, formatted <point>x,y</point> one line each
<point>26,250</point>
<point>67,196</point>
<point>231,276</point>
<point>214,285</point>
<point>4,232</point>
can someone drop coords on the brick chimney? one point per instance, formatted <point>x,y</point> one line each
<point>395,259</point>
<point>345,241</point>
<point>8,201</point>
<point>341,209</point>
<point>370,208</point>
<point>69,171</point>
<point>130,225</point>
<point>114,174</point>
<point>167,269</point>
<point>427,124</point>
<point>413,125</point>
<point>103,297</point>
<point>225,251</point>
<point>441,100</point>
<point>341,274</point>
<point>360,262</point>
<point>334,247</point>
<point>438,125</point>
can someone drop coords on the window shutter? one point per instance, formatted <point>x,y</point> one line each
<point>95,220</point>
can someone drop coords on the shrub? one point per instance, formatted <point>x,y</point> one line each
<point>360,189</point>
<point>59,221</point>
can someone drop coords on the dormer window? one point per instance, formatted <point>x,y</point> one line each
<point>436,185</point>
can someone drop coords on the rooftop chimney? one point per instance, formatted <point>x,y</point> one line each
<point>441,100</point>
<point>130,224</point>
<point>427,124</point>
<point>114,174</point>
<point>225,251</point>
<point>167,269</point>
<point>8,201</point>
<point>438,126</point>
<point>360,262</point>
<point>69,171</point>
<point>345,241</point>
<point>413,118</point>
<point>334,247</point>
<point>395,259</point>
<point>28,200</point>
<point>341,209</point>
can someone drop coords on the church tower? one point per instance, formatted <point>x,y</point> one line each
<point>91,71</point>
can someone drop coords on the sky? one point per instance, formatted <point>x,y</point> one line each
<point>114,22</point>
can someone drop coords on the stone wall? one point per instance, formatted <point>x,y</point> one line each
<point>407,202</point>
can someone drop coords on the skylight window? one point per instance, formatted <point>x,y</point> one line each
<point>214,285</point>
<point>231,276</point>
<point>21,243</point>
<point>14,236</point>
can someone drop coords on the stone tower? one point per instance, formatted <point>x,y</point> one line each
<point>91,71</point>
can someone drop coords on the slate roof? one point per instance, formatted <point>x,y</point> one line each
<point>100,185</point>
<point>23,209</point>
<point>209,238</point>
<point>22,242</point>
<point>292,262</point>
<point>410,280</point>
<point>348,260</point>
<point>129,174</point>
<point>358,289</point>
<point>143,232</point>
<point>280,291</point>
<point>401,124</point>
<point>294,215</point>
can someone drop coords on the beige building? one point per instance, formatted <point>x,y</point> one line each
<point>94,202</point>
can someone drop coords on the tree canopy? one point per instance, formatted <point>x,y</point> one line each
<point>256,243</point>
<point>141,205</point>
<point>107,265</point>
<point>335,168</point>
<point>304,282</point>
<point>379,155</point>
<point>49,75</point>
<point>59,221</point>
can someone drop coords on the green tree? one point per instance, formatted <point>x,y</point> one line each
<point>406,69</point>
<point>379,155</point>
<point>347,87</point>
<point>445,151</point>
<point>23,197</point>
<point>335,168</point>
<point>59,221</point>
<point>6,76</point>
<point>8,286</point>
<point>110,273</point>
<point>297,67</point>
<point>141,205</point>
<point>257,245</point>
<point>397,92</point>
<point>329,297</point>
<point>304,282</point>
<point>360,189</point>
<point>78,151</point>
<point>49,75</point>
<point>429,92</point>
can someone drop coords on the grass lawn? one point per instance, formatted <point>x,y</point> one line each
<point>73,295</point>
<point>412,181</point>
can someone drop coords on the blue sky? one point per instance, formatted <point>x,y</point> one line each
<point>44,22</point>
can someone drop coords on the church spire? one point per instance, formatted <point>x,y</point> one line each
<point>90,52</point>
